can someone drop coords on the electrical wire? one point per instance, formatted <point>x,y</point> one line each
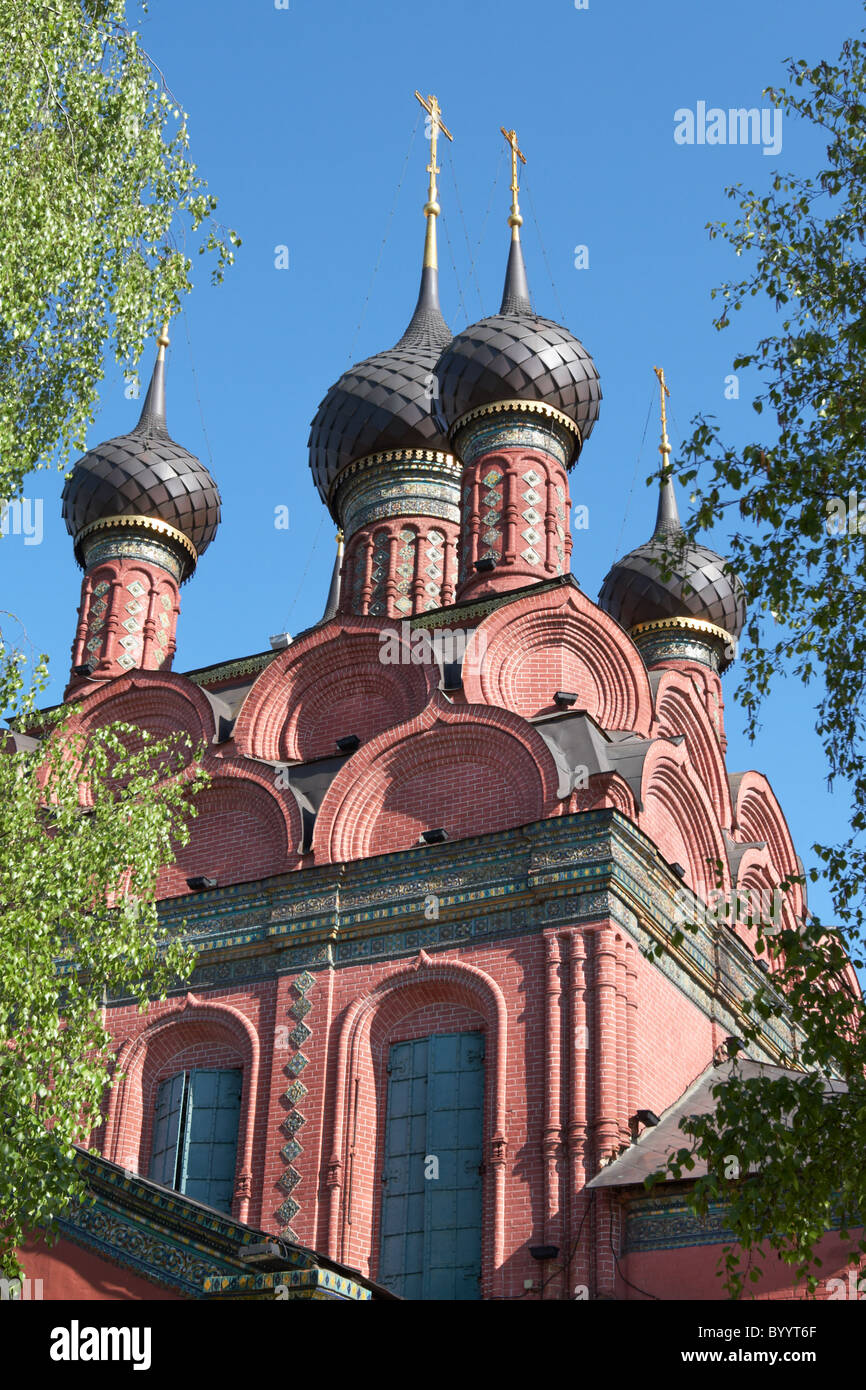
<point>559,304</point>
<point>316,539</point>
<point>384,239</point>
<point>453,172</point>
<point>636,1287</point>
<point>634,477</point>
<point>474,257</point>
<point>197,392</point>
<point>454,268</point>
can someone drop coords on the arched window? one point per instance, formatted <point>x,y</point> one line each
<point>195,1135</point>
<point>431,1183</point>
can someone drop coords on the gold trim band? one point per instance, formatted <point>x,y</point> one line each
<point>146,523</point>
<point>393,456</point>
<point>532,407</point>
<point>671,624</point>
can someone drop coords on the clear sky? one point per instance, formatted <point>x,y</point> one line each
<point>302,120</point>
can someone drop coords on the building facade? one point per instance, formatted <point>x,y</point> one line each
<point>443,829</point>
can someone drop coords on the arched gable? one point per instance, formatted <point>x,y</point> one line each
<point>524,651</point>
<point>245,828</point>
<point>467,768</point>
<point>352,675</point>
<point>679,817</point>
<point>759,817</point>
<point>159,701</point>
<point>680,710</point>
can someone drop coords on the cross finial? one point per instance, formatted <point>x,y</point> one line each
<point>664,447</point>
<point>514,220</point>
<point>431,207</point>
<point>434,111</point>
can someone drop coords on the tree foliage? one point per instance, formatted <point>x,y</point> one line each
<point>98,199</point>
<point>85,827</point>
<point>800,1142</point>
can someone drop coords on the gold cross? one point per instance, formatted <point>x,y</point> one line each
<point>665,447</point>
<point>434,110</point>
<point>515,220</point>
<point>516,153</point>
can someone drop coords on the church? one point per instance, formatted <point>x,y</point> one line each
<point>426,1052</point>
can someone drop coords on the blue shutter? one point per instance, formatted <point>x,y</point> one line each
<point>166,1130</point>
<point>211,1138</point>
<point>195,1135</point>
<point>431,1227</point>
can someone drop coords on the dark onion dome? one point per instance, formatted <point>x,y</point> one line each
<point>635,592</point>
<point>516,355</point>
<point>385,401</point>
<point>143,475</point>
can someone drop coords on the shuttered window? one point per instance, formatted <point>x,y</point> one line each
<point>431,1203</point>
<point>195,1135</point>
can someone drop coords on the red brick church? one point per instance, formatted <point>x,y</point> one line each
<point>443,826</point>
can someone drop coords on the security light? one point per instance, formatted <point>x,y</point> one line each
<point>485,565</point>
<point>678,870</point>
<point>87,668</point>
<point>647,1118</point>
<point>432,837</point>
<point>349,743</point>
<point>565,698</point>
<point>544,1252</point>
<point>200,882</point>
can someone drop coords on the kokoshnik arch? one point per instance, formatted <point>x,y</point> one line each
<point>413,1051</point>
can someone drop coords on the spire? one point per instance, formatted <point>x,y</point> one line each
<point>427,327</point>
<point>667,517</point>
<point>152,420</point>
<point>515,295</point>
<point>333,602</point>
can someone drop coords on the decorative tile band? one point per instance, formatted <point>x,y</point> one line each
<point>101,548</point>
<point>684,639</point>
<point>667,1223</point>
<point>488,436</point>
<point>288,1210</point>
<point>400,490</point>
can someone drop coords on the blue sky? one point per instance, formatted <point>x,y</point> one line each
<point>301,120</point>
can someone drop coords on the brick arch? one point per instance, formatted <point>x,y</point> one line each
<point>524,651</point>
<point>244,829</point>
<point>679,710</point>
<point>158,702</point>
<point>468,768</point>
<point>679,818</point>
<point>330,683</point>
<point>142,1061</point>
<point>423,983</point>
<point>758,816</point>
<point>757,872</point>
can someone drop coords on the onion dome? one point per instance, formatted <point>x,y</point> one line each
<point>672,583</point>
<point>144,480</point>
<point>516,356</point>
<point>635,591</point>
<point>383,402</point>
